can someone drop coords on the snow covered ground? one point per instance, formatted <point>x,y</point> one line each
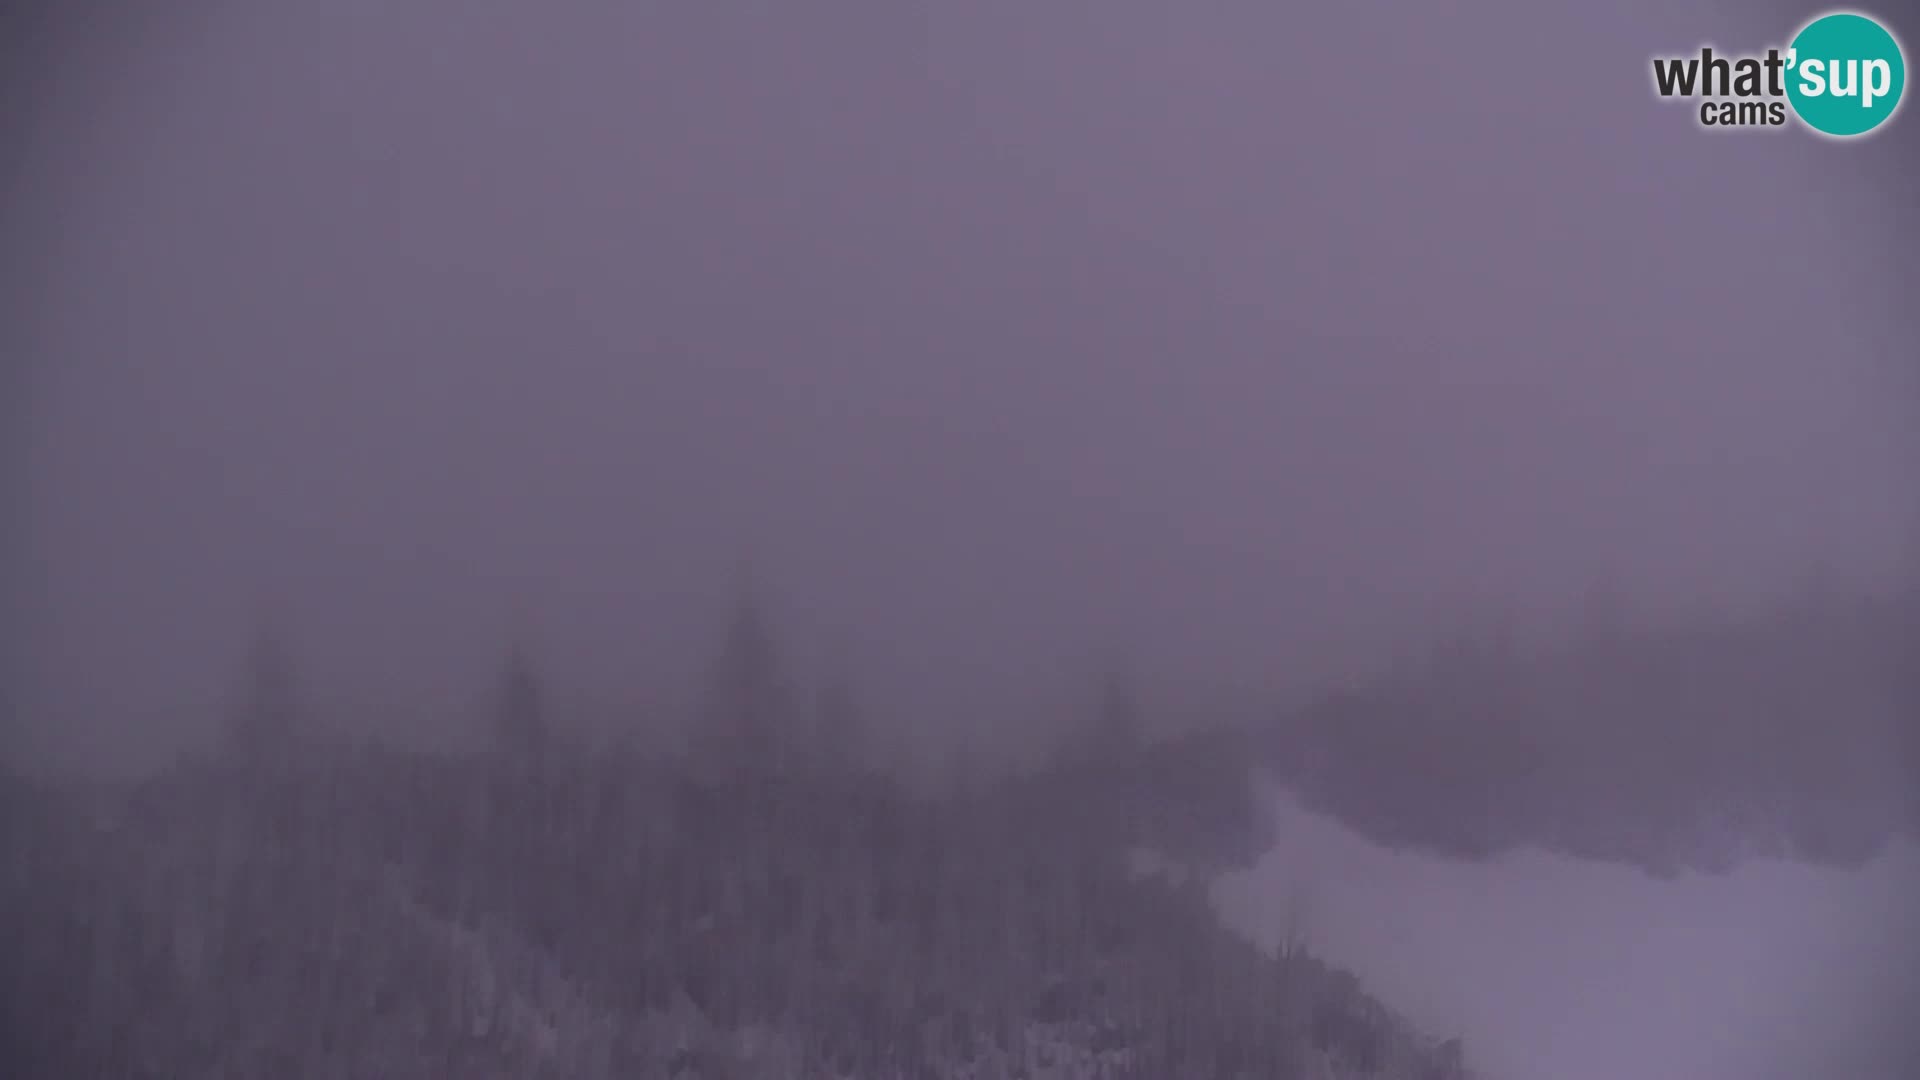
<point>1554,968</point>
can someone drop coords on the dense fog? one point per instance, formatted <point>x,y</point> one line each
<point>510,406</point>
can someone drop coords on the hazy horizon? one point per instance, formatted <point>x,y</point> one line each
<point>997,345</point>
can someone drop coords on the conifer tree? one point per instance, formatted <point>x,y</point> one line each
<point>1117,723</point>
<point>748,711</point>
<point>264,718</point>
<point>520,727</point>
<point>839,728</point>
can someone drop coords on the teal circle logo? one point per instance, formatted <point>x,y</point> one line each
<point>1845,74</point>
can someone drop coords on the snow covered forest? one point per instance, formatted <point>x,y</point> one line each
<point>1671,745</point>
<point>757,905</point>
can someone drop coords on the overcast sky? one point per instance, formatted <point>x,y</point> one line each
<point>997,337</point>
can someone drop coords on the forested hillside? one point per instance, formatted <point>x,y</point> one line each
<point>1794,732</point>
<point>372,912</point>
<point>760,903</point>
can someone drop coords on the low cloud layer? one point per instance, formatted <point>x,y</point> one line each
<point>998,343</point>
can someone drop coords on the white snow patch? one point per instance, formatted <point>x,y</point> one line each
<point>1554,968</point>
